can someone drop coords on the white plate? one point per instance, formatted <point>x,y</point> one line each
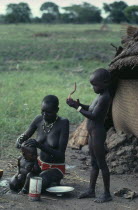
<point>60,189</point>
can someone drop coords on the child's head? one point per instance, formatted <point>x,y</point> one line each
<point>29,153</point>
<point>100,80</point>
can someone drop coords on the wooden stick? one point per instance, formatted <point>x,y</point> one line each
<point>45,197</point>
<point>75,87</point>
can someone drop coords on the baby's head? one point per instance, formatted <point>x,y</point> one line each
<point>100,80</point>
<point>29,153</point>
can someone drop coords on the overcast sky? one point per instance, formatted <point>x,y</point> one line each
<point>35,4</point>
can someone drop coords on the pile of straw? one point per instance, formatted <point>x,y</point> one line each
<point>127,60</point>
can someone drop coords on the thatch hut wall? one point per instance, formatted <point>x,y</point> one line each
<point>124,73</point>
<point>125,107</point>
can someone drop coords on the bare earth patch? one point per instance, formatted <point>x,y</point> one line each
<point>78,169</point>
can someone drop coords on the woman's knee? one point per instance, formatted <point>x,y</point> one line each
<point>50,176</point>
<point>45,180</point>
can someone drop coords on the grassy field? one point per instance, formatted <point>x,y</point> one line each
<point>37,60</point>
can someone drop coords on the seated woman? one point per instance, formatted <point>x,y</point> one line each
<point>52,139</point>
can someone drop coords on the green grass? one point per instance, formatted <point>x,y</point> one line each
<point>32,67</point>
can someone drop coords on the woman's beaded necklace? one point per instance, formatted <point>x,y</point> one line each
<point>48,127</point>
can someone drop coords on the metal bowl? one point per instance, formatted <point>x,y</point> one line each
<point>60,190</point>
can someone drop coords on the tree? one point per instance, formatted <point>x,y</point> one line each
<point>131,13</point>
<point>67,17</point>
<point>36,20</point>
<point>51,12</point>
<point>116,11</point>
<point>84,13</point>
<point>2,19</point>
<point>47,18</point>
<point>18,13</point>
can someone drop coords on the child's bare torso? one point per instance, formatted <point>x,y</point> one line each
<point>96,126</point>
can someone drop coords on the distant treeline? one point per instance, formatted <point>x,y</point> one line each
<point>117,12</point>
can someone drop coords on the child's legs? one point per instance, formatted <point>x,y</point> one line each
<point>99,152</point>
<point>94,171</point>
<point>90,192</point>
<point>17,182</point>
<point>27,181</point>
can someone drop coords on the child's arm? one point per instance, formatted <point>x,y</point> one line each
<point>36,168</point>
<point>100,104</point>
<point>85,107</point>
<point>77,103</point>
<point>98,110</point>
<point>18,165</point>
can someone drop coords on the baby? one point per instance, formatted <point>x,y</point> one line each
<point>27,168</point>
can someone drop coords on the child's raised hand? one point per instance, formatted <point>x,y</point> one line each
<point>72,103</point>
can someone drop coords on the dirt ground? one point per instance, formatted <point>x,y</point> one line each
<point>78,170</point>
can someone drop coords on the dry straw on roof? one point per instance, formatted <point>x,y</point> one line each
<point>128,58</point>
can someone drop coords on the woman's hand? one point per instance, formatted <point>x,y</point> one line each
<point>73,103</point>
<point>32,143</point>
<point>20,140</point>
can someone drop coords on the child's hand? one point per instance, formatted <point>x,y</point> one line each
<point>72,103</point>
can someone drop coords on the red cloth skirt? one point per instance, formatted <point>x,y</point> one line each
<point>45,166</point>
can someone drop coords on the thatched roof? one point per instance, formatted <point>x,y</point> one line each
<point>127,60</point>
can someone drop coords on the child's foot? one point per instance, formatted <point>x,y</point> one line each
<point>23,191</point>
<point>104,198</point>
<point>88,194</point>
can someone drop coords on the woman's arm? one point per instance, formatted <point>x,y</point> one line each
<point>28,133</point>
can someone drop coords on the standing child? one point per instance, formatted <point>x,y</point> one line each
<point>96,113</point>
